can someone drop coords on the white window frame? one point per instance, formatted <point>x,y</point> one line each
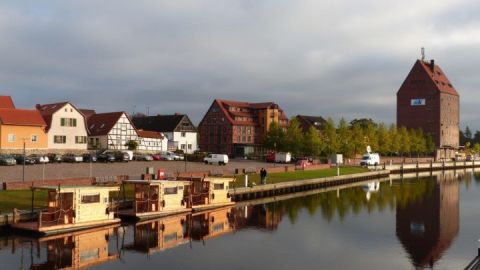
<point>34,138</point>
<point>12,137</point>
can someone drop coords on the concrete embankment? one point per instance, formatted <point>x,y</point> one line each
<point>429,166</point>
<point>269,190</point>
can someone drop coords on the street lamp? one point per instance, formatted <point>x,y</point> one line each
<point>24,157</point>
<point>185,155</point>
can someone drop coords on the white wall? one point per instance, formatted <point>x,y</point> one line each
<point>190,138</point>
<point>153,144</point>
<point>67,111</point>
<point>120,134</point>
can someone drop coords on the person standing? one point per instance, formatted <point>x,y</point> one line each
<point>263,176</point>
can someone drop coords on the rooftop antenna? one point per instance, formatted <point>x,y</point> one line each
<point>423,53</point>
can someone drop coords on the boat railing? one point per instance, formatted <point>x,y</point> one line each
<point>57,217</point>
<point>142,206</point>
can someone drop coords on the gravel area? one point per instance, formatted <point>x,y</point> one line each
<point>133,168</point>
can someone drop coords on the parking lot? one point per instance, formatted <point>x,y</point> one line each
<point>77,170</point>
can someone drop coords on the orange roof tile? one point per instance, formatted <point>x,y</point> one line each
<point>439,78</point>
<point>150,134</point>
<point>101,123</point>
<point>6,102</point>
<point>18,117</point>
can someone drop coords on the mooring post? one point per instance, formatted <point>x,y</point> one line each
<point>246,180</point>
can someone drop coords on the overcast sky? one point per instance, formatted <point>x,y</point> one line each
<point>329,58</point>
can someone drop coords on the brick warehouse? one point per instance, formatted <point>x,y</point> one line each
<point>238,128</point>
<point>428,100</point>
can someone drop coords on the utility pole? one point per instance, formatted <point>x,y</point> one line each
<point>24,157</point>
<point>185,155</point>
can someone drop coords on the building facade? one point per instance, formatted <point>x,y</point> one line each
<point>110,131</point>
<point>179,130</point>
<point>238,128</point>
<point>66,126</point>
<point>152,141</point>
<point>428,100</point>
<point>22,126</point>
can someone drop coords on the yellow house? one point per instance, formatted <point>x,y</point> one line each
<point>19,127</point>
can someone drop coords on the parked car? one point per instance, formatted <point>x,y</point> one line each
<point>122,156</point>
<point>219,159</point>
<point>167,156</point>
<point>157,157</point>
<point>19,158</point>
<point>370,159</point>
<point>142,157</point>
<point>39,159</point>
<point>72,158</point>
<point>55,158</point>
<point>116,153</point>
<point>178,156</point>
<point>7,160</point>
<point>89,157</point>
<point>106,157</point>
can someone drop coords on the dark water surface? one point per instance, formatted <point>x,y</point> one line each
<point>414,223</point>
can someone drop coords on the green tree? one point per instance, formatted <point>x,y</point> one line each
<point>371,136</point>
<point>294,138</point>
<point>330,136</point>
<point>358,139</point>
<point>312,143</point>
<point>275,139</point>
<point>429,144</point>
<point>345,144</point>
<point>384,140</point>
<point>132,145</point>
<point>394,139</point>
<point>404,139</point>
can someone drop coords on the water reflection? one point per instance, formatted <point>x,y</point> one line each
<point>426,227</point>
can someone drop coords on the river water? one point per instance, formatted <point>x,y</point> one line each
<point>398,224</point>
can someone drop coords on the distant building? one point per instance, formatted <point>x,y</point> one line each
<point>66,126</point>
<point>19,126</point>
<point>238,128</point>
<point>306,122</point>
<point>428,100</point>
<point>152,141</point>
<point>178,128</point>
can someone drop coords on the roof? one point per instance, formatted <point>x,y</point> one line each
<point>47,110</point>
<point>150,134</point>
<point>101,123</point>
<point>159,123</point>
<point>73,188</point>
<point>307,121</point>
<point>251,111</point>
<point>20,117</point>
<point>6,102</point>
<point>87,113</point>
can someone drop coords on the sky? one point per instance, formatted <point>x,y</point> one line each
<point>329,58</point>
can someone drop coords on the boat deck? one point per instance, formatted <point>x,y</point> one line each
<point>32,227</point>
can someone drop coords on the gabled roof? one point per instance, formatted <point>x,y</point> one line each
<point>87,113</point>
<point>20,117</point>
<point>435,75</point>
<point>47,110</point>
<point>159,123</point>
<point>101,123</point>
<point>150,134</point>
<point>251,111</point>
<point>6,102</point>
<point>306,122</point>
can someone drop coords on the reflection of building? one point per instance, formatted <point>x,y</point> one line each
<point>160,234</point>
<point>427,227</point>
<point>258,216</point>
<point>78,250</point>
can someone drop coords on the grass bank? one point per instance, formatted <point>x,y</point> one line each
<point>298,175</point>
<point>21,199</point>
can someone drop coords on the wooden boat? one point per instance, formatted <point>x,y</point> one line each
<point>210,224</point>
<point>73,208</point>
<point>208,192</point>
<point>156,198</point>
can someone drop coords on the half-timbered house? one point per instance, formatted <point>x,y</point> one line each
<point>110,131</point>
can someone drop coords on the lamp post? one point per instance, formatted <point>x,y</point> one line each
<point>24,157</point>
<point>185,155</point>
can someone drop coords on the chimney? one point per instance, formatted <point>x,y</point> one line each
<point>38,106</point>
<point>432,65</point>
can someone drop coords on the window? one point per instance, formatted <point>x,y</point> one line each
<point>170,191</point>
<point>219,186</point>
<point>80,139</point>
<point>183,134</point>
<point>91,198</point>
<point>34,138</point>
<point>68,122</point>
<point>183,146</point>
<point>12,137</point>
<point>60,139</point>
<point>189,147</point>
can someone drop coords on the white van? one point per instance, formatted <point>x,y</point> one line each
<point>219,159</point>
<point>370,159</point>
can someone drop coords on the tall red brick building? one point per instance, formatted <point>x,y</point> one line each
<point>428,100</point>
<point>237,128</point>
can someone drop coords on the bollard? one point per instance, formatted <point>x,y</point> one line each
<point>246,180</point>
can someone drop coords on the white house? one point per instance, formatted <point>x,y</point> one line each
<point>178,128</point>
<point>152,141</point>
<point>110,131</point>
<point>66,126</point>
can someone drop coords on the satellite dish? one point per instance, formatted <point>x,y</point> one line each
<point>369,149</point>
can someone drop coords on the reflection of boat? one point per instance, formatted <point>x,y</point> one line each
<point>160,234</point>
<point>157,198</point>
<point>77,250</point>
<point>208,193</point>
<point>206,225</point>
<point>73,208</point>
<point>373,186</point>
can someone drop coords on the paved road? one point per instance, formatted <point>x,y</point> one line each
<point>134,168</point>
